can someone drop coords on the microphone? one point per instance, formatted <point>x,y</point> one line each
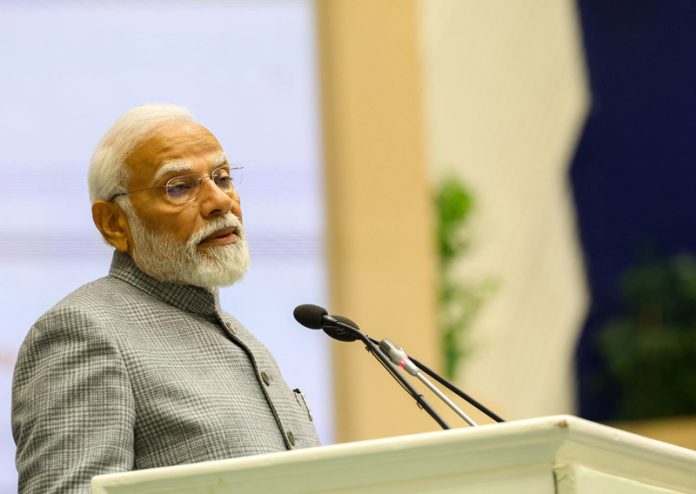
<point>339,331</point>
<point>310,316</point>
<point>338,327</point>
<point>343,329</point>
<point>398,356</point>
<point>390,356</point>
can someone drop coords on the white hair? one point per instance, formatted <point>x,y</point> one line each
<point>161,256</point>
<point>107,173</point>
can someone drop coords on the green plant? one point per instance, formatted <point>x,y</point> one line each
<point>650,351</point>
<point>459,302</point>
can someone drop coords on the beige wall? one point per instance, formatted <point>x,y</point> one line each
<point>505,98</point>
<point>379,221</point>
<point>495,91</point>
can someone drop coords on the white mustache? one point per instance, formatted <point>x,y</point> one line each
<point>229,221</point>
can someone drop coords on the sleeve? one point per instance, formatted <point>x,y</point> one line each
<point>72,406</point>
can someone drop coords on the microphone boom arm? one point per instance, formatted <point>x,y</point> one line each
<point>452,388</point>
<point>343,329</point>
<point>394,371</point>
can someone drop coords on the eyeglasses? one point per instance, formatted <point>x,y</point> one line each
<point>184,189</point>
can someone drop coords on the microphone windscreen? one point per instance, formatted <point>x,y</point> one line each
<point>342,334</point>
<point>347,321</point>
<point>309,315</point>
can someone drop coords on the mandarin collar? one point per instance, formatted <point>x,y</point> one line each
<point>185,297</point>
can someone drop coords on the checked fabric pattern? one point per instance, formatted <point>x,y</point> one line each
<point>129,372</point>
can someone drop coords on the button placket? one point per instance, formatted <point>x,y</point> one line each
<point>270,392</point>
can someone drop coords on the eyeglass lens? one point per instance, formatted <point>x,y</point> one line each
<point>185,188</point>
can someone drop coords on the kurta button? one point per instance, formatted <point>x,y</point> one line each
<point>291,438</point>
<point>266,379</point>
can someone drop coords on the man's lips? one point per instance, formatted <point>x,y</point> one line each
<point>221,237</point>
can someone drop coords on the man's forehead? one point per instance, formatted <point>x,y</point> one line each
<point>176,136</point>
<point>175,143</point>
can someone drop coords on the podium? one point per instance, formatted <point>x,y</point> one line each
<point>554,455</point>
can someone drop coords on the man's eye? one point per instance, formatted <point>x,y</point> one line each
<point>178,189</point>
<point>223,180</point>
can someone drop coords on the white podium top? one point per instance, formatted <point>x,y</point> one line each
<point>555,455</point>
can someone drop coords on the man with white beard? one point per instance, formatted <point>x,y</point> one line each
<point>142,368</point>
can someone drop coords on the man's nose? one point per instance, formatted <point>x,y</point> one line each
<point>216,202</point>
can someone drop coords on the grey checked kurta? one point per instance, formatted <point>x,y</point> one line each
<point>129,372</point>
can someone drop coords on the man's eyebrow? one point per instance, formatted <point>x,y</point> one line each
<point>183,167</point>
<point>220,160</point>
<point>171,168</point>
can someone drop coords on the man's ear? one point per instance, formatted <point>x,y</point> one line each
<point>112,222</point>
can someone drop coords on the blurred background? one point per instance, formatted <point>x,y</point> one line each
<point>502,188</point>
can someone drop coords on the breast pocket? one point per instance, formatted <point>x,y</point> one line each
<point>302,402</point>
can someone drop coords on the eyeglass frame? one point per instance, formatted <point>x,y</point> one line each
<point>178,177</point>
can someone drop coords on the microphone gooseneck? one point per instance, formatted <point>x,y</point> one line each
<point>343,329</point>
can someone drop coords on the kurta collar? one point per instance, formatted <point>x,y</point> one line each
<point>186,297</point>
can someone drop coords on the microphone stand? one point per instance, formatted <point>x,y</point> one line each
<point>451,387</point>
<point>373,348</point>
<point>315,317</point>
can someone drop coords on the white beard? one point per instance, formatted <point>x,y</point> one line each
<point>163,257</point>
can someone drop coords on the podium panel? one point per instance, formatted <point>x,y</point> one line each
<point>549,455</point>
